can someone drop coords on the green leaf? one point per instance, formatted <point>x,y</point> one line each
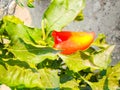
<point>96,85</point>
<point>109,82</point>
<point>70,85</point>
<point>5,20</point>
<point>102,58</point>
<point>68,81</point>
<point>80,16</point>
<point>1,28</point>
<point>74,61</point>
<point>30,53</point>
<point>15,76</point>
<point>61,12</point>
<point>15,29</point>
<point>100,41</point>
<point>22,3</point>
<point>27,43</point>
<point>113,75</point>
<point>30,4</point>
<point>12,19</point>
<point>100,85</point>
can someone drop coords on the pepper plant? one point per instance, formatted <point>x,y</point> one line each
<point>50,58</point>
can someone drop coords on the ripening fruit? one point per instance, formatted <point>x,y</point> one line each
<point>70,42</point>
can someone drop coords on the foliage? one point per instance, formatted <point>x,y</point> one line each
<point>22,3</point>
<point>29,62</point>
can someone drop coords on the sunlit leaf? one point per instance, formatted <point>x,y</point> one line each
<point>113,75</point>
<point>101,41</point>
<point>15,76</point>
<point>22,3</point>
<point>103,58</point>
<point>80,16</point>
<point>27,43</point>
<point>74,62</point>
<point>70,85</point>
<point>61,12</point>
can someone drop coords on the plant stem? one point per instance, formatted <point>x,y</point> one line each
<point>43,30</point>
<point>1,39</point>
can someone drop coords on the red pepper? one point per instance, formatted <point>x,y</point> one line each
<point>70,42</point>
